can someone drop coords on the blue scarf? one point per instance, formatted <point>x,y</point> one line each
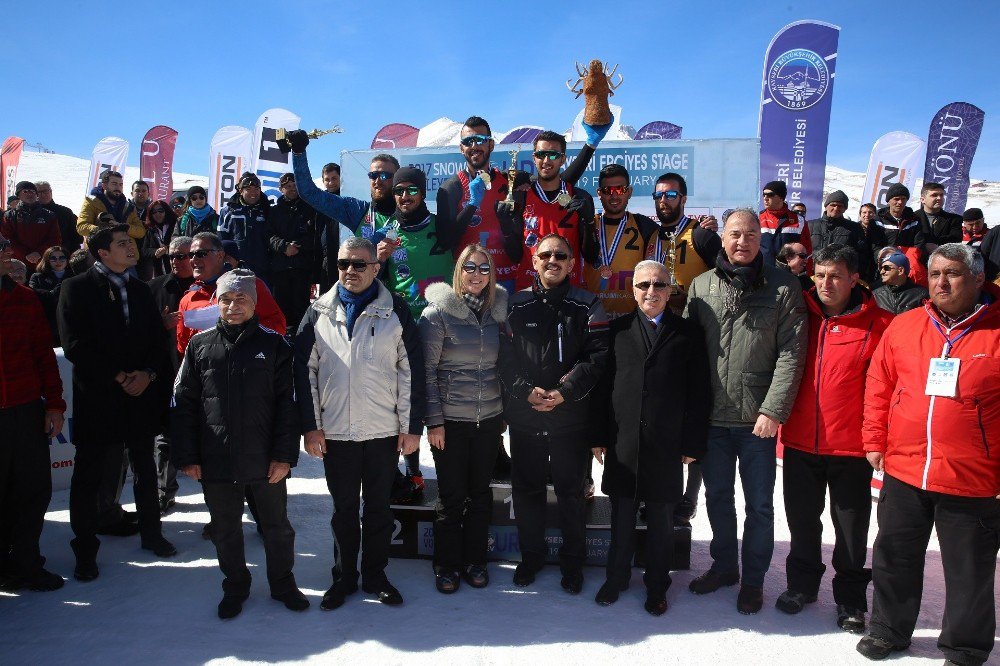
<point>355,304</point>
<point>199,214</point>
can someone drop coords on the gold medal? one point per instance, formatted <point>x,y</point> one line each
<point>485,175</point>
<point>563,199</point>
<point>606,272</point>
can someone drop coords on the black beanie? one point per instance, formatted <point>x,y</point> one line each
<point>24,185</point>
<point>247,179</point>
<point>972,215</point>
<point>410,175</point>
<point>196,189</point>
<point>897,190</point>
<point>837,196</point>
<point>778,187</point>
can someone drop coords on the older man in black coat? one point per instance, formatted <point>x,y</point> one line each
<point>113,336</point>
<point>651,418</point>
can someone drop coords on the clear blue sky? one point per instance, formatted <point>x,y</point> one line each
<point>75,75</point>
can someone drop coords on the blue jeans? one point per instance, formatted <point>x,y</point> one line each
<point>756,457</point>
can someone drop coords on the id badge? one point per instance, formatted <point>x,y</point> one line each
<point>942,377</point>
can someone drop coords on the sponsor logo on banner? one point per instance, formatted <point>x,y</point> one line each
<point>111,152</point>
<point>658,129</point>
<point>229,158</point>
<point>796,98</point>
<point>269,163</point>
<point>951,144</point>
<point>798,79</point>
<point>156,162</point>
<point>895,158</point>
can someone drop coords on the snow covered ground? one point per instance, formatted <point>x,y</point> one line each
<point>145,610</point>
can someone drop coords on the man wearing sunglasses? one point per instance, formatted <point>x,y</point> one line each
<point>649,419</point>
<point>779,225</point>
<point>361,218</point>
<point>31,412</point>
<point>554,205</point>
<point>167,293</point>
<point>551,358</point>
<point>794,258</point>
<point>622,238</point>
<point>244,220</point>
<point>30,228</point>
<point>696,245</point>
<point>359,375</point>
<point>207,265</point>
<point>898,293</point>
<point>108,197</point>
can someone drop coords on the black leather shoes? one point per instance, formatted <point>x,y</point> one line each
<point>230,607</point>
<point>656,604</point>
<point>712,580</point>
<point>447,582</point>
<point>877,649</point>
<point>608,594</point>
<point>293,599</point>
<point>122,528</point>
<point>386,593</point>
<point>792,602</point>
<point>476,575</point>
<point>750,599</point>
<point>850,620</point>
<point>160,546</point>
<point>524,574</point>
<point>337,594</point>
<point>572,582</point>
<point>86,569</point>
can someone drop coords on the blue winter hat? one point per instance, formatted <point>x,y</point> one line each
<point>900,260</point>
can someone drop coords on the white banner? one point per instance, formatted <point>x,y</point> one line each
<point>229,157</point>
<point>110,152</point>
<point>896,158</point>
<point>269,163</point>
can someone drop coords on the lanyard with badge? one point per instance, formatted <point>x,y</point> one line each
<point>942,375</point>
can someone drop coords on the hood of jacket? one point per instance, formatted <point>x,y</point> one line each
<point>443,297</point>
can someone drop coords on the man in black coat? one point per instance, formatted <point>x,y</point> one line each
<point>834,228</point>
<point>937,226</point>
<point>113,336</point>
<point>650,414</point>
<point>167,292</point>
<point>292,229</point>
<point>71,240</point>
<point>234,426</point>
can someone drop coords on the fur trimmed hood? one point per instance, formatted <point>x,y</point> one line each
<point>443,297</point>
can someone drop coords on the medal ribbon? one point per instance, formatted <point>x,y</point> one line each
<point>607,255</point>
<point>541,193</point>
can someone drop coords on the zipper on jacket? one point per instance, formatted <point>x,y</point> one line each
<point>982,430</point>
<point>819,375</point>
<point>479,375</point>
<point>559,330</point>
<point>864,345</point>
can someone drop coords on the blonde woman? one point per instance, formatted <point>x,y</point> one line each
<point>460,329</point>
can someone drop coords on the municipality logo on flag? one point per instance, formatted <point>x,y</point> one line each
<point>798,79</point>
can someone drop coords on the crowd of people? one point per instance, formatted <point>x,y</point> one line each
<point>212,343</point>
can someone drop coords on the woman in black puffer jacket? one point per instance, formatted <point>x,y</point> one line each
<point>460,330</point>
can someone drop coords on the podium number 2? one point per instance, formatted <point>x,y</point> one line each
<point>397,527</point>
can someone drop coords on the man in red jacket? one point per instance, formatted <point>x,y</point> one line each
<point>31,411</point>
<point>207,264</point>
<point>30,228</point>
<point>932,414</point>
<point>822,440</point>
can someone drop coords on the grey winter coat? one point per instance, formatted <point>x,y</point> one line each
<point>758,352</point>
<point>460,356</point>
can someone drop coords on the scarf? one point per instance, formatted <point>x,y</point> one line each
<point>59,274</point>
<point>737,281</point>
<point>119,280</point>
<point>412,221</point>
<point>475,303</point>
<point>199,214</point>
<point>355,304</point>
<point>232,332</point>
<point>386,206</point>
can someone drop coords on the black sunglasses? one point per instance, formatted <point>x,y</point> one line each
<point>201,254</point>
<point>551,155</point>
<point>559,256</point>
<point>198,197</point>
<point>670,194</point>
<point>474,140</point>
<point>887,267</point>
<point>400,190</point>
<point>57,257</point>
<point>180,256</point>
<point>643,286</point>
<point>379,175</point>
<point>472,267</point>
<point>357,264</point>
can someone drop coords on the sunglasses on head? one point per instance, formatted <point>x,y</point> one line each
<point>197,197</point>
<point>201,254</point>
<point>670,194</point>
<point>643,286</point>
<point>57,257</point>
<point>400,190</point>
<point>358,265</point>
<point>558,256</point>
<point>472,267</point>
<point>474,140</point>
<point>550,155</point>
<point>180,256</point>
<point>379,175</point>
<point>615,190</point>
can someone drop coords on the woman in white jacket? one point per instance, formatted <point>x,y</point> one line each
<point>460,330</point>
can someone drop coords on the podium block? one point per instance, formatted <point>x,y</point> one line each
<point>413,532</point>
